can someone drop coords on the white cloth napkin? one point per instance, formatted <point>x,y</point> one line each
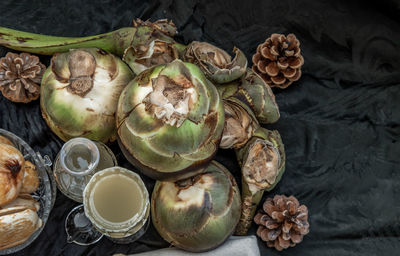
<point>234,246</point>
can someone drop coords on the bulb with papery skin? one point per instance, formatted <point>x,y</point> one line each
<point>199,213</point>
<point>262,161</point>
<point>170,120</point>
<point>80,92</point>
<point>216,64</point>
<point>255,93</point>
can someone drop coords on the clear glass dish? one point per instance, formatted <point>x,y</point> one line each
<point>45,194</point>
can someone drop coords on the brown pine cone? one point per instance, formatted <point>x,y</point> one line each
<point>278,60</point>
<point>283,222</point>
<point>20,77</point>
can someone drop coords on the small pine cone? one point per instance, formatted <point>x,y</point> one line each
<point>20,77</point>
<point>278,60</point>
<point>282,222</point>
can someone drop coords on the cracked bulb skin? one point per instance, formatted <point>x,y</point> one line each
<point>197,214</point>
<point>240,124</point>
<point>80,92</point>
<point>170,120</point>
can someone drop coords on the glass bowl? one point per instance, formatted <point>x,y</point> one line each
<point>45,194</point>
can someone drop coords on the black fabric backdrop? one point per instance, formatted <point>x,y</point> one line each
<point>339,122</point>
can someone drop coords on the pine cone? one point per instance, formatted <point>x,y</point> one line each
<point>20,77</point>
<point>278,60</point>
<point>283,222</point>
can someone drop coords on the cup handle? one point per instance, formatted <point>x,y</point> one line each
<point>47,165</point>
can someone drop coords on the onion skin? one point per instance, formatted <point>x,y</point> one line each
<point>163,150</point>
<point>200,213</point>
<point>89,113</point>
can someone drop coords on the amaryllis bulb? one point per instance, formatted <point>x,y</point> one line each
<point>254,92</point>
<point>170,120</point>
<point>216,64</point>
<point>263,163</point>
<point>80,92</point>
<point>198,213</point>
